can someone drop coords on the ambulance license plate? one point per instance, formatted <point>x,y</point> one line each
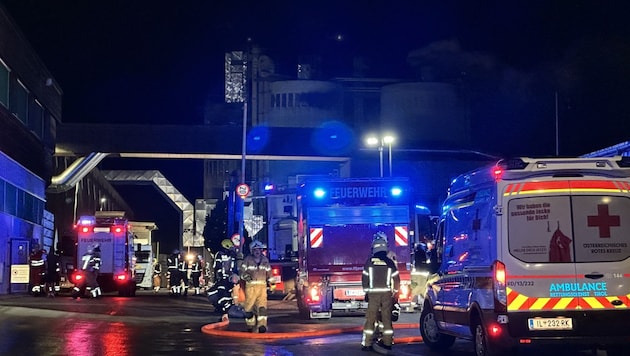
<point>550,323</point>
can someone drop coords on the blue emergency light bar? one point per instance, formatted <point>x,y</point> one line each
<point>355,192</point>
<point>319,193</point>
<point>87,220</point>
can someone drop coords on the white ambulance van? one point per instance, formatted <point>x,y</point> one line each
<point>533,252</point>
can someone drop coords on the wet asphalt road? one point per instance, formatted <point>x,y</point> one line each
<point>160,325</point>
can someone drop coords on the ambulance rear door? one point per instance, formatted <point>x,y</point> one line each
<point>601,220</point>
<point>567,250</point>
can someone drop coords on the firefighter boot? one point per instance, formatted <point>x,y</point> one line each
<point>261,320</point>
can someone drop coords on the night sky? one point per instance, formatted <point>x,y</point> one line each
<point>160,61</point>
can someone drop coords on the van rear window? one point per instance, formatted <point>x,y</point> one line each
<point>570,228</point>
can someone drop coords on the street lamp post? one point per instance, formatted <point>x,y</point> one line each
<point>381,142</point>
<point>389,140</point>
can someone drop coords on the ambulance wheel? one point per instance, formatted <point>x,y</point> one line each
<point>431,335</point>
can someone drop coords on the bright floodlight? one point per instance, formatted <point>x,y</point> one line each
<point>372,141</point>
<point>388,139</point>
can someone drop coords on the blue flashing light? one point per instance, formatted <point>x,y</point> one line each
<point>319,193</point>
<point>269,187</point>
<point>87,220</point>
<point>396,191</point>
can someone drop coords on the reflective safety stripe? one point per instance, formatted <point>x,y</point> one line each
<point>401,236</point>
<point>257,282</point>
<point>566,186</point>
<point>378,290</point>
<point>317,237</point>
<point>517,301</point>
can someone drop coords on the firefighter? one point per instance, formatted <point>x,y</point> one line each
<point>157,275</point>
<point>37,261</point>
<point>195,273</point>
<point>53,277</point>
<point>175,278</point>
<point>183,268</point>
<point>256,272</point>
<point>380,281</point>
<point>91,265</point>
<point>226,276</point>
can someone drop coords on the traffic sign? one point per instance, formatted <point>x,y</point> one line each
<point>236,240</point>
<point>242,190</point>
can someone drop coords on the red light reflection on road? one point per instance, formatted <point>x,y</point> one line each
<point>97,338</point>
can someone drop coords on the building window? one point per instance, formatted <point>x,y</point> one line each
<point>10,199</point>
<point>4,84</point>
<point>19,102</point>
<point>290,103</point>
<point>35,118</point>
<point>284,100</point>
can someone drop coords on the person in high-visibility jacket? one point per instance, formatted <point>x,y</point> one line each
<point>256,272</point>
<point>91,265</point>
<point>381,282</point>
<point>157,275</point>
<point>174,275</point>
<point>37,261</point>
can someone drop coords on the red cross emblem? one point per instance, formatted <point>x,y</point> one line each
<point>603,221</point>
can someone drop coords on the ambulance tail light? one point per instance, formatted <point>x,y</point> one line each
<point>497,173</point>
<point>85,229</point>
<point>500,284</point>
<point>117,229</point>
<point>120,277</point>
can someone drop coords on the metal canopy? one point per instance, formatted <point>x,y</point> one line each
<point>189,237</point>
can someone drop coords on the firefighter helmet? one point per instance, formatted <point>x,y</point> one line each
<point>380,235</point>
<point>227,244</point>
<point>379,245</point>
<point>256,244</point>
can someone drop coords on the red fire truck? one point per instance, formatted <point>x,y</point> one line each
<point>112,232</point>
<point>337,220</point>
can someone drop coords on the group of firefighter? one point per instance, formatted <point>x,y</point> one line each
<point>229,271</point>
<point>45,271</point>
<point>380,282</point>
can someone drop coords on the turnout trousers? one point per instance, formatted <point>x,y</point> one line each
<point>256,302</point>
<point>379,303</point>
